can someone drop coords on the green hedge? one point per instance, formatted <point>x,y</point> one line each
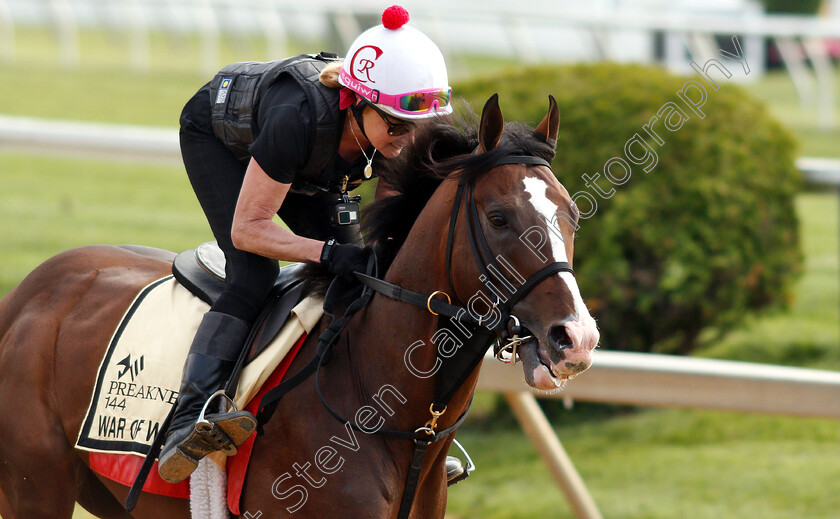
<point>791,6</point>
<point>706,237</point>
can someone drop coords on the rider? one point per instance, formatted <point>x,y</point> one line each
<point>290,138</point>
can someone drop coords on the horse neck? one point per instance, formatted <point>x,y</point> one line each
<point>389,328</point>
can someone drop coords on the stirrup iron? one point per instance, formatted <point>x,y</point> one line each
<point>469,467</point>
<point>206,428</point>
<point>220,393</point>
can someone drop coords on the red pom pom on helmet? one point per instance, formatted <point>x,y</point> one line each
<point>394,17</point>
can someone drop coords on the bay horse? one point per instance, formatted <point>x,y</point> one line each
<point>462,194</point>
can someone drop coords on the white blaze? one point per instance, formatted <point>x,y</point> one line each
<point>537,189</point>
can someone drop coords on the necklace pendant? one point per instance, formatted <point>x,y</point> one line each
<point>368,171</point>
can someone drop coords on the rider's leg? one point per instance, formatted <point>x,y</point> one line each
<point>216,176</point>
<point>212,357</point>
<point>213,354</point>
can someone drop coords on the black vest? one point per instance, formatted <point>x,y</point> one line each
<point>236,92</point>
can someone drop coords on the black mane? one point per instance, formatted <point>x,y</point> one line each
<point>442,148</point>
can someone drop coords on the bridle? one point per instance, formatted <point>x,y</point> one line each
<point>488,265</point>
<point>455,370</point>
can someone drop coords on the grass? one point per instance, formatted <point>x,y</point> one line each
<point>48,205</point>
<point>638,464</point>
<point>663,464</point>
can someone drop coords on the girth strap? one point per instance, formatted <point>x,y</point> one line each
<point>414,470</point>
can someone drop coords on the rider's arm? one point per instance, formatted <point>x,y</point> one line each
<point>253,229</point>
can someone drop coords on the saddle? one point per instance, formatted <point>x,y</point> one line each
<point>202,272</point>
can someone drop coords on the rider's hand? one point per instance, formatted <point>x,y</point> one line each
<point>344,259</point>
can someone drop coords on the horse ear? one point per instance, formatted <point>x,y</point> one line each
<point>550,125</point>
<point>492,125</point>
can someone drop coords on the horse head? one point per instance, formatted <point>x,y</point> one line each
<point>528,221</point>
<point>494,230</point>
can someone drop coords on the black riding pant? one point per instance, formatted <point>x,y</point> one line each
<point>216,177</point>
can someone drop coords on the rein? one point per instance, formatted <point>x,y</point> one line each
<point>454,370</point>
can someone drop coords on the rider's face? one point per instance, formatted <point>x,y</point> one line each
<point>386,133</point>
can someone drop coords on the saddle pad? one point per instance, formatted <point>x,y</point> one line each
<point>139,376</point>
<point>123,468</point>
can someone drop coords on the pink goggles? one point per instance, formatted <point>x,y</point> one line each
<point>414,103</point>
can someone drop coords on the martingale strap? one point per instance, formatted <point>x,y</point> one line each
<point>455,370</point>
<point>270,401</point>
<point>419,434</point>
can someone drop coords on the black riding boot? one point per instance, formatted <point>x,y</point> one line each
<point>212,357</point>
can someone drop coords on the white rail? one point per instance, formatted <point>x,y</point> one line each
<point>648,379</point>
<point>89,140</point>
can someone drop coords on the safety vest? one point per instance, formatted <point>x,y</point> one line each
<point>236,92</point>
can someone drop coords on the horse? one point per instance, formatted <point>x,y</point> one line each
<point>461,195</point>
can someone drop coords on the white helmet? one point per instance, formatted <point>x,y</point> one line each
<point>398,68</point>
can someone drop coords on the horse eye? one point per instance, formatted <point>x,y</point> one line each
<point>497,220</point>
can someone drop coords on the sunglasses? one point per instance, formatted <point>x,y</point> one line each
<point>395,128</point>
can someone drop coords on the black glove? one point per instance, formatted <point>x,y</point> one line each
<point>344,259</point>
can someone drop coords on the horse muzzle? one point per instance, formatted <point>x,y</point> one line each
<point>551,358</point>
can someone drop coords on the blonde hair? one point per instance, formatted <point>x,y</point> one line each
<point>329,76</point>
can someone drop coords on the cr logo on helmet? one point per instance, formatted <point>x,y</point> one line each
<point>364,63</point>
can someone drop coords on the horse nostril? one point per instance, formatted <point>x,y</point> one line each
<point>559,338</point>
